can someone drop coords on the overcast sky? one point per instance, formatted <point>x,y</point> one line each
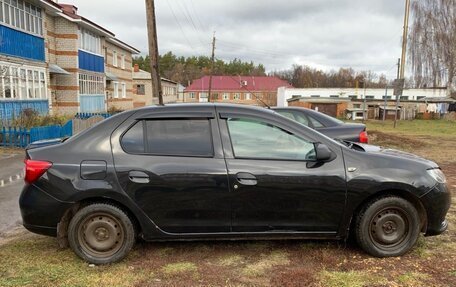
<point>326,34</point>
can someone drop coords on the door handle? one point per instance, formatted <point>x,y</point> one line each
<point>245,178</point>
<point>138,177</point>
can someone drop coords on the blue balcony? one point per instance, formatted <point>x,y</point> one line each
<point>92,103</point>
<point>91,62</point>
<point>20,44</point>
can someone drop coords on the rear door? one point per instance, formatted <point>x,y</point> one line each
<point>171,164</point>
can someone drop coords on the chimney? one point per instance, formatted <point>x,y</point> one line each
<point>70,9</point>
<point>136,68</point>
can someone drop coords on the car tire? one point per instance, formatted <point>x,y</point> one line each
<point>387,226</point>
<point>101,233</point>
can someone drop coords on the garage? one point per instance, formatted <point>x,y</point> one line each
<point>326,108</point>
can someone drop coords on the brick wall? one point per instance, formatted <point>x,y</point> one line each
<point>123,75</point>
<point>62,50</point>
<point>341,107</point>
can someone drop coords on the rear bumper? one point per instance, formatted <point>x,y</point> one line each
<point>41,212</point>
<point>437,203</point>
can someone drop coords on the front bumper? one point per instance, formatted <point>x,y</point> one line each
<point>437,203</point>
<point>41,212</point>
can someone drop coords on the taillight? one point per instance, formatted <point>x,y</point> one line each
<point>34,169</point>
<point>363,138</point>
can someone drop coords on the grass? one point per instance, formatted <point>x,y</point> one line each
<point>434,128</point>
<point>32,260</point>
<point>266,262</point>
<point>36,261</point>
<point>180,267</point>
<point>349,279</point>
<point>412,279</point>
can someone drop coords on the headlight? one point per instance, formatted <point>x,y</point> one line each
<point>437,174</point>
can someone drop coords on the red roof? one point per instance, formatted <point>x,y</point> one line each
<point>238,83</point>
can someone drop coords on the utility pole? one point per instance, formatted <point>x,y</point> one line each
<point>403,57</point>
<point>386,102</point>
<point>212,69</point>
<point>153,51</point>
<point>365,116</point>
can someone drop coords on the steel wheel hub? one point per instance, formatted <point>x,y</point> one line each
<point>101,235</point>
<point>389,227</point>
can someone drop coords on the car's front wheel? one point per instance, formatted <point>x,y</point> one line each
<point>387,226</point>
<point>101,234</point>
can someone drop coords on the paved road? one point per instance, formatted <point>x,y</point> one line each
<point>11,184</point>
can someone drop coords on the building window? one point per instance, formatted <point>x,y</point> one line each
<point>89,41</point>
<point>124,90</point>
<point>191,95</point>
<point>114,58</point>
<point>91,84</point>
<point>387,97</point>
<point>353,97</point>
<point>22,82</point>
<point>315,96</point>
<point>334,96</point>
<point>248,96</point>
<point>226,96</point>
<point>237,96</point>
<point>22,16</point>
<point>140,90</point>
<point>116,90</point>
<point>404,98</point>
<point>370,97</point>
<point>122,62</point>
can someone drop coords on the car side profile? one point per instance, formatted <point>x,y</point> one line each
<point>214,171</point>
<point>332,127</point>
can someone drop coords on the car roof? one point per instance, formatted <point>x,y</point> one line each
<point>206,107</point>
<point>328,121</point>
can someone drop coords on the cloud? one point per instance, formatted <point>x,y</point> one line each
<point>328,34</point>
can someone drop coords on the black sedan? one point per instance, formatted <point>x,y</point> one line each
<point>332,127</point>
<point>208,171</point>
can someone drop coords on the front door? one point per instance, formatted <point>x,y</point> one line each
<point>276,184</point>
<point>175,172</point>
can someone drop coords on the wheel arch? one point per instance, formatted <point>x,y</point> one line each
<point>391,192</point>
<point>62,227</point>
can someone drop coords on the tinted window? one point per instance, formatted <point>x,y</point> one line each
<point>295,116</point>
<point>316,124</point>
<point>254,139</point>
<point>133,140</point>
<point>179,137</point>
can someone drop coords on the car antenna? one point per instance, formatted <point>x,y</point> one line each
<point>256,97</point>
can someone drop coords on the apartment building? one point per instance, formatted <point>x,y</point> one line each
<point>142,94</point>
<point>54,60</point>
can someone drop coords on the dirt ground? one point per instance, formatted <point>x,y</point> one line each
<point>31,260</point>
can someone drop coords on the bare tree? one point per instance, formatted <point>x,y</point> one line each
<point>432,47</point>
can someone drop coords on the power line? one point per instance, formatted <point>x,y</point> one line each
<point>189,19</point>
<point>180,26</point>
<point>196,14</point>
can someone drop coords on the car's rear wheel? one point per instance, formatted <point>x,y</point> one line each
<point>387,226</point>
<point>101,234</point>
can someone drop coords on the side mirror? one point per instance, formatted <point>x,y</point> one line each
<point>323,152</point>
